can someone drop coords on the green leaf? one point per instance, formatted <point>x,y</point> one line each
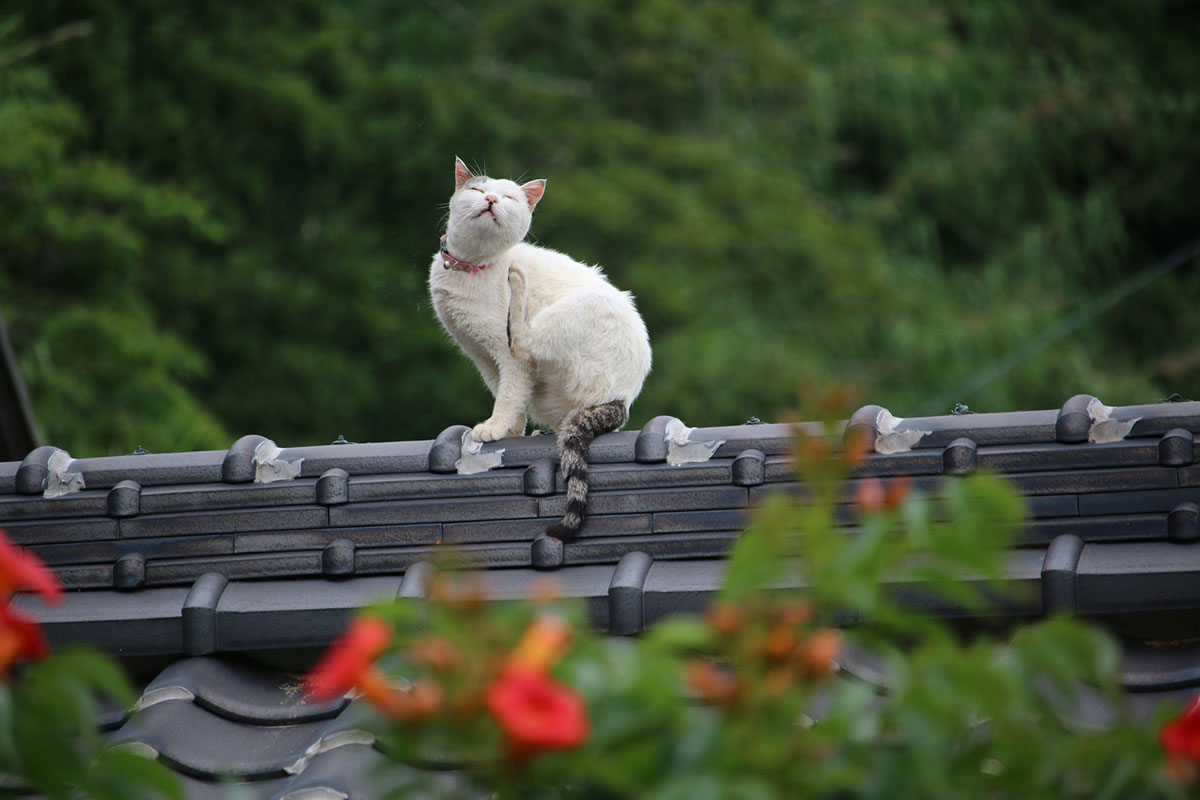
<point>679,635</point>
<point>120,772</point>
<point>757,558</point>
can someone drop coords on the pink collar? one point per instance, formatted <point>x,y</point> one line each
<point>450,262</point>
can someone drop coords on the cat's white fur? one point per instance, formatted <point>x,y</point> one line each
<point>576,341</point>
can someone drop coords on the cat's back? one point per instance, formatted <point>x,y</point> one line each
<point>549,269</point>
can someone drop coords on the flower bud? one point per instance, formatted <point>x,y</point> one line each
<point>710,682</point>
<point>725,618</point>
<point>781,641</point>
<point>819,653</point>
<point>435,652</point>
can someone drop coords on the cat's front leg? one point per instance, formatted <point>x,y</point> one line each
<point>512,397</point>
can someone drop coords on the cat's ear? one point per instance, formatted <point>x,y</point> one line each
<point>461,173</point>
<point>534,191</point>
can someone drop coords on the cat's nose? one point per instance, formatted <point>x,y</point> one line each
<point>491,199</point>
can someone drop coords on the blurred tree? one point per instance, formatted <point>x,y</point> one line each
<point>894,194</point>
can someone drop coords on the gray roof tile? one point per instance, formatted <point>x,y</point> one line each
<point>8,476</point>
<point>1046,457</point>
<point>261,615</point>
<point>1117,502</point>
<point>197,742</point>
<point>1097,529</point>
<point>641,500</point>
<point>611,477</point>
<point>529,529</point>
<point>76,504</point>
<point>194,523</point>
<point>366,459</point>
<point>1141,576</point>
<point>206,497</point>
<point>61,530</point>
<point>241,691</point>
<point>151,469</point>
<point>111,550</point>
<point>412,511</point>
<point>426,533</point>
<point>427,485</point>
<point>148,621</point>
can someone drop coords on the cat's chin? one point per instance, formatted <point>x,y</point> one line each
<point>482,242</point>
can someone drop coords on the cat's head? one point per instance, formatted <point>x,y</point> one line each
<point>489,215</point>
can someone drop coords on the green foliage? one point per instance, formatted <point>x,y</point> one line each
<point>49,737</point>
<point>893,194</point>
<point>742,702</point>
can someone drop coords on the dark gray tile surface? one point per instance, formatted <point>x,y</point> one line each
<point>152,469</point>
<point>175,728</point>
<point>77,504</point>
<point>411,511</point>
<point>61,530</point>
<point>242,691</point>
<point>194,523</point>
<point>425,485</point>
<point>207,497</point>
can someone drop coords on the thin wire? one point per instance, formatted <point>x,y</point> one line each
<point>1068,325</point>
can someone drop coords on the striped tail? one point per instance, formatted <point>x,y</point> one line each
<point>573,440</point>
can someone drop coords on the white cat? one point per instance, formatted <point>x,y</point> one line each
<point>551,336</point>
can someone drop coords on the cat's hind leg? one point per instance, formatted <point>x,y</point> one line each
<point>518,314</point>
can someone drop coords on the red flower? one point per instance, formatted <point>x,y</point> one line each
<point>20,569</point>
<point>1180,739</point>
<point>536,713</point>
<point>20,639</point>
<point>349,663</point>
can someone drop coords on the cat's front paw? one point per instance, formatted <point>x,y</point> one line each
<point>489,431</point>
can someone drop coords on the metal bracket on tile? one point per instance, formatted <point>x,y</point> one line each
<point>270,466</point>
<point>683,449</point>
<point>60,479</point>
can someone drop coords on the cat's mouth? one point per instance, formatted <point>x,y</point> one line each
<point>489,212</point>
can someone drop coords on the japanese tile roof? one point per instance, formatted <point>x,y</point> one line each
<point>212,562</point>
